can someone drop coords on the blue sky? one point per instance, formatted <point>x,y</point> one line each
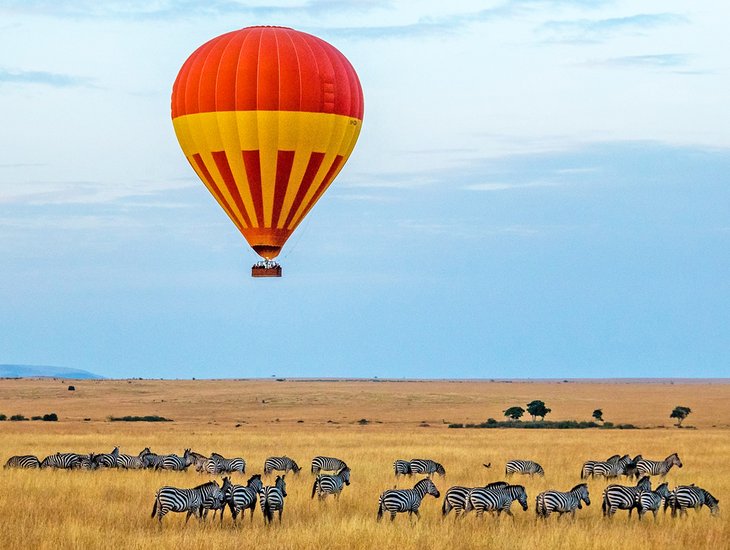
<point>540,189</point>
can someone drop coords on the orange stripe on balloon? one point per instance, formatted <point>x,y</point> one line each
<point>208,178</point>
<point>252,164</point>
<point>284,162</point>
<point>315,160</point>
<point>221,162</point>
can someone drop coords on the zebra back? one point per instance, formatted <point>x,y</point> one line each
<point>23,461</point>
<point>327,463</point>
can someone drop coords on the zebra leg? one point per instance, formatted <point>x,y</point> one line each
<point>418,515</point>
<point>392,516</point>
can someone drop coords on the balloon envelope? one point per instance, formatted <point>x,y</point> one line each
<point>267,117</point>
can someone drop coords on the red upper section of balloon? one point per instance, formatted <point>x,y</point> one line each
<point>267,68</point>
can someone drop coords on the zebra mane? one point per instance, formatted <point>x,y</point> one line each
<point>207,484</point>
<point>255,476</point>
<point>496,484</point>
<point>709,498</point>
<point>342,470</point>
<point>578,487</point>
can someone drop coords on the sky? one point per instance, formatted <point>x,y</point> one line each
<point>540,189</point>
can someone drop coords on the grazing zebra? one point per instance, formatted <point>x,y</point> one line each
<point>691,496</point>
<point>229,465</point>
<point>394,501</point>
<point>174,462</point>
<point>402,468</point>
<point>455,498</point>
<point>107,460</point>
<point>23,461</point>
<point>281,464</point>
<point>271,499</point>
<point>150,459</point>
<point>650,501</point>
<point>496,499</point>
<point>192,501</point>
<point>88,462</point>
<point>548,502</point>
<point>327,464</point>
<point>657,468</point>
<point>426,466</point>
<point>611,469</point>
<point>64,461</point>
<point>131,462</point>
<point>630,469</point>
<point>198,460</point>
<point>587,470</point>
<point>244,498</point>
<point>325,484</point>
<point>621,497</point>
<point>527,467</point>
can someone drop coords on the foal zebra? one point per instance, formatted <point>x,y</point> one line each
<point>562,503</point>
<point>271,499</point>
<point>496,499</point>
<point>192,501</point>
<point>218,464</point>
<point>244,498</point>
<point>455,498</point>
<point>621,497</point>
<point>611,469</point>
<point>23,461</point>
<point>325,484</point>
<point>527,467</point>
<point>426,466</point>
<point>402,468</point>
<point>281,464</point>
<point>651,501</point>
<point>64,461</point>
<point>657,468</point>
<point>587,470</point>
<point>327,463</point>
<point>394,501</point>
<point>690,496</point>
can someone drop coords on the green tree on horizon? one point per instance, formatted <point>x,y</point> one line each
<point>515,413</point>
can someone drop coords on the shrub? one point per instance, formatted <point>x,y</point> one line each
<point>148,418</point>
<point>51,417</point>
<point>3,417</point>
<point>17,417</point>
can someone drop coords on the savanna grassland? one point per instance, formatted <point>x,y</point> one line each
<point>258,418</point>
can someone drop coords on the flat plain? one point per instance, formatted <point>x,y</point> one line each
<point>368,423</point>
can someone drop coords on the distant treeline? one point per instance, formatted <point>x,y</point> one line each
<point>546,424</point>
<point>51,417</point>
<point>148,418</point>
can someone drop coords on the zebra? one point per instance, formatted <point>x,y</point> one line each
<point>621,497</point>
<point>216,498</point>
<point>131,462</point>
<point>192,501</point>
<point>455,498</point>
<point>174,462</point>
<point>426,466</point>
<point>657,468</point>
<point>228,465</point>
<point>325,484</point>
<point>281,464</point>
<point>394,501</point>
<point>327,463</point>
<point>198,460</point>
<point>108,460</point>
<point>88,462</point>
<point>527,467</point>
<point>402,468</point>
<point>630,470</point>
<point>23,461</point>
<point>691,496</point>
<point>587,470</point>
<point>611,469</point>
<point>496,499</point>
<point>65,461</point>
<point>244,498</point>
<point>650,501</point>
<point>271,499</point>
<point>150,459</point>
<point>562,503</point>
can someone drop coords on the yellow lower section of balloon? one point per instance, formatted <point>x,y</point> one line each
<point>268,132</point>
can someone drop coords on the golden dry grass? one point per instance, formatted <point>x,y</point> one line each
<point>47,509</point>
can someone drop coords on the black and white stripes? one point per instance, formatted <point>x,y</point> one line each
<point>325,484</point>
<point>525,467</point>
<point>280,464</point>
<point>396,501</point>
<point>548,502</point>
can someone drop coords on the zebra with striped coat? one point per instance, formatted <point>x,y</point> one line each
<point>193,501</point>
<point>216,499</point>
<point>88,462</point>
<point>229,465</point>
<point>149,459</point>
<point>130,462</point>
<point>281,464</point>
<point>611,469</point>
<point>175,463</point>
<point>23,461</point>
<point>496,499</point>
<point>402,468</point>
<point>327,464</point>
<point>426,466</point>
<point>271,499</point>
<point>651,501</point>
<point>630,469</point>
<point>620,497</point>
<point>525,467</point>
<point>586,470</point>
<point>325,484</point>
<point>107,460</point>
<point>657,467</point>
<point>691,496</point>
<point>65,461</point>
<point>396,501</point>
<point>456,497</point>
<point>244,498</point>
<point>548,502</point>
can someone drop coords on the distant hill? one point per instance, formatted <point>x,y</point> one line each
<point>28,371</point>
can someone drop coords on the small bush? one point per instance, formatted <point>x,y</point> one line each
<point>36,418</point>
<point>3,417</point>
<point>51,417</point>
<point>17,417</point>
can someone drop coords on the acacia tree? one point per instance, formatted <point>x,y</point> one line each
<point>537,408</point>
<point>515,413</point>
<point>680,413</point>
<point>598,415</point>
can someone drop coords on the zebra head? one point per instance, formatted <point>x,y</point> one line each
<point>294,466</point>
<point>281,484</point>
<point>673,460</point>
<point>144,452</point>
<point>519,494</point>
<point>188,457</point>
<point>712,503</point>
<point>344,474</point>
<point>663,490</point>
<point>581,491</point>
<point>426,487</point>
<point>255,482</point>
<point>644,483</point>
<point>227,489</point>
<point>440,470</point>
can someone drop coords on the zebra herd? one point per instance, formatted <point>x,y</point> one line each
<point>496,497</point>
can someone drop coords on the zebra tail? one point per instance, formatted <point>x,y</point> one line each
<point>154,506</point>
<point>380,509</point>
<point>445,508</point>
<point>314,487</point>
<point>604,504</point>
<point>268,513</point>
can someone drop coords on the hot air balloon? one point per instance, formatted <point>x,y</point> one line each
<point>267,118</point>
